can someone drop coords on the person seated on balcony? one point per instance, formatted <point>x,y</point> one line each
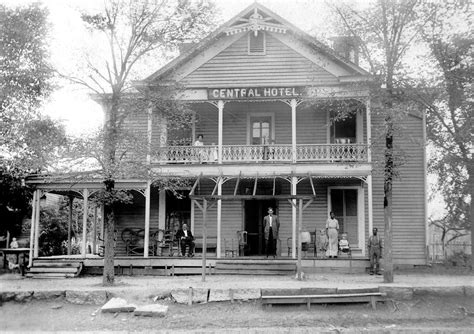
<point>14,243</point>
<point>344,243</point>
<point>199,141</point>
<point>185,238</point>
<point>201,154</point>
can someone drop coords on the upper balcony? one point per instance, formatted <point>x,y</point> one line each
<point>236,154</point>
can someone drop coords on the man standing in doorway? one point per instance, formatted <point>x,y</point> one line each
<point>375,249</point>
<point>271,225</point>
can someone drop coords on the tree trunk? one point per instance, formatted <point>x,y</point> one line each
<point>388,181</point>
<point>470,169</point>
<point>109,248</point>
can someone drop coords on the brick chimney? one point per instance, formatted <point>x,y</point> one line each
<point>347,47</point>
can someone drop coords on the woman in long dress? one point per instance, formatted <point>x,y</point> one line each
<point>332,231</point>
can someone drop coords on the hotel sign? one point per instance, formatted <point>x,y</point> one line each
<point>254,93</point>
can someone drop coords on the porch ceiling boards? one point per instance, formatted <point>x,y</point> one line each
<point>264,170</point>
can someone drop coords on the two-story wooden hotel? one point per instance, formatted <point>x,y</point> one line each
<point>264,96</point>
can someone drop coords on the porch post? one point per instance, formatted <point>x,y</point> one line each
<point>369,131</point>
<point>147,219</point>
<point>162,210</point>
<point>293,129</point>
<point>294,182</point>
<point>84,222</point>
<point>94,232</point>
<point>369,205</point>
<point>204,239</point>
<point>69,225</point>
<point>37,223</point>
<point>220,106</point>
<point>300,226</point>
<point>219,218</point>
<point>32,228</point>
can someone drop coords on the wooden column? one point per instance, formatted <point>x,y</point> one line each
<point>147,219</point>
<point>37,223</point>
<point>220,106</point>
<point>300,227</point>
<point>162,210</point>
<point>294,182</point>
<point>85,196</point>
<point>204,239</point>
<point>293,105</point>
<point>32,227</point>
<point>219,218</point>
<point>69,225</point>
<point>369,132</point>
<point>94,232</point>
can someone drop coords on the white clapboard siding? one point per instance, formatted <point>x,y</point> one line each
<point>280,65</point>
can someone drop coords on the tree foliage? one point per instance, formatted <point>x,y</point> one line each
<point>447,94</point>
<point>28,140</point>
<point>133,33</point>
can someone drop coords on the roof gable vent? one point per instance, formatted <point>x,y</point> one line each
<point>256,45</point>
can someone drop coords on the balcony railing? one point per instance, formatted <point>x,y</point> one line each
<point>262,153</point>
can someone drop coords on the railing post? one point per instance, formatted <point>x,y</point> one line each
<point>293,128</point>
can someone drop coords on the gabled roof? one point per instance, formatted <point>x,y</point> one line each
<point>251,18</point>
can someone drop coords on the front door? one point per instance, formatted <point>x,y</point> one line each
<point>255,210</point>
<point>344,206</point>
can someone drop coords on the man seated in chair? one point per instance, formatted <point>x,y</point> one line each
<point>344,244</point>
<point>185,238</point>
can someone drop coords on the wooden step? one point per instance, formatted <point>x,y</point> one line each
<point>255,267</point>
<point>56,264</point>
<point>250,272</point>
<point>72,270</point>
<point>50,275</point>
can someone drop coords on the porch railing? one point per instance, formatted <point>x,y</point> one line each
<point>262,153</point>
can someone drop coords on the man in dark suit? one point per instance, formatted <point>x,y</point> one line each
<point>271,225</point>
<point>185,238</point>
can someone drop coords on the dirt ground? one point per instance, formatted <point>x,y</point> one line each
<point>427,313</point>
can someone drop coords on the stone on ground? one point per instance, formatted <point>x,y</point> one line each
<point>152,310</point>
<point>86,297</point>
<point>117,305</point>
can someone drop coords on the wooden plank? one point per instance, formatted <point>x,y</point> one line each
<point>53,270</point>
<point>336,295</point>
<point>55,265</point>
<point>322,300</point>
<point>252,272</point>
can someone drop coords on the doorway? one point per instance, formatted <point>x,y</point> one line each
<point>255,210</point>
<point>344,204</point>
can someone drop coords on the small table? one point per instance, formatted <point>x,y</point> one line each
<point>17,251</point>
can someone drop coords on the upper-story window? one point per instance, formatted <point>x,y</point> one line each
<point>256,43</point>
<point>343,129</point>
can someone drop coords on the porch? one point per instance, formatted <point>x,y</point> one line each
<point>172,266</point>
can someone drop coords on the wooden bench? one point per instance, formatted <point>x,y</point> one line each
<point>369,297</point>
<point>211,244</point>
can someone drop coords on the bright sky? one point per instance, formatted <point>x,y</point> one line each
<point>72,104</point>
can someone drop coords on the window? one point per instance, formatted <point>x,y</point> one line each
<point>343,130</point>
<point>261,131</point>
<point>256,43</point>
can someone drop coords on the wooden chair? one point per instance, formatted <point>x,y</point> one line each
<point>230,247</point>
<point>242,240</point>
<point>310,246</point>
